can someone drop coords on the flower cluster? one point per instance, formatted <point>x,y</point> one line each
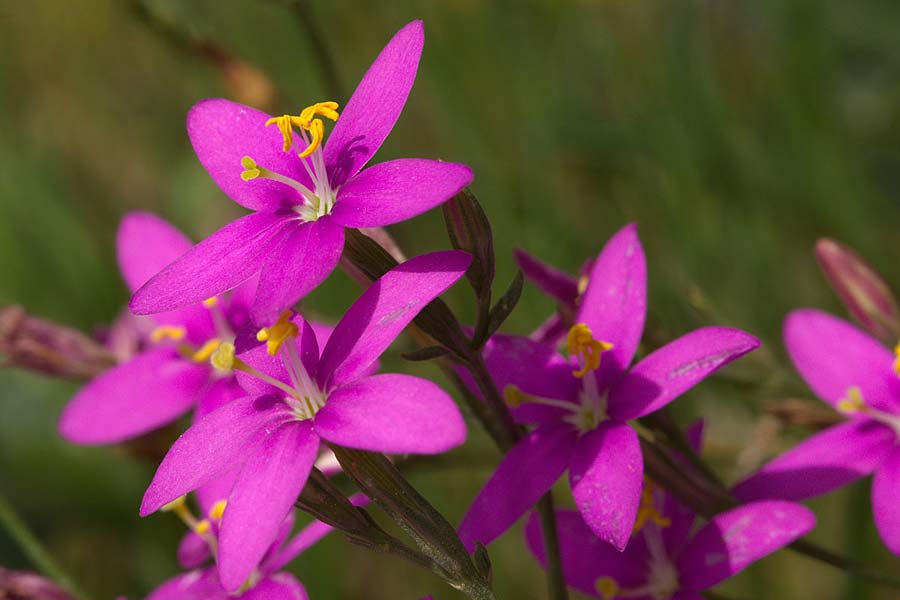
<point>216,330</point>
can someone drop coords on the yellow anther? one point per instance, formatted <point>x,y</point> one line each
<point>580,342</point>
<point>582,284</point>
<point>173,506</point>
<point>211,302</point>
<point>284,123</point>
<point>854,401</point>
<point>223,357</point>
<point>647,510</point>
<point>607,587</point>
<point>317,131</point>
<point>275,335</point>
<point>217,510</point>
<point>251,169</point>
<point>202,527</point>
<point>167,332</point>
<point>897,359</point>
<point>206,350</point>
<point>514,396</point>
<point>319,109</point>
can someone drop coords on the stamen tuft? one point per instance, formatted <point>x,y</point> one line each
<point>167,332</point>
<point>647,510</point>
<point>276,335</point>
<point>223,357</point>
<point>202,355</point>
<point>854,401</point>
<point>251,169</point>
<point>217,510</point>
<point>580,342</point>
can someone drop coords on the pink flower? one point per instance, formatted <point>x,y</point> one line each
<point>302,203</point>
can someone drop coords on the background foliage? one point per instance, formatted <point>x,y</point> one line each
<point>735,132</point>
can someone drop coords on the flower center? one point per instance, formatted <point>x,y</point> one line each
<point>319,201</point>
<point>176,333</point>
<point>854,403</point>
<point>303,395</point>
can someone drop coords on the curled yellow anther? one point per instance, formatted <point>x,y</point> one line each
<point>205,351</point>
<point>514,396</point>
<point>580,342</point>
<point>284,124</point>
<point>223,357</point>
<point>305,120</point>
<point>211,302</point>
<point>202,527</point>
<point>326,109</point>
<point>167,332</point>
<point>251,169</point>
<point>607,587</point>
<point>217,510</point>
<point>275,335</point>
<point>317,131</point>
<point>647,510</point>
<point>854,401</point>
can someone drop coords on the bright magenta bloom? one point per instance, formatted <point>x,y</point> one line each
<point>297,397</point>
<point>853,372</point>
<point>581,405</point>
<point>302,202</point>
<point>170,372</point>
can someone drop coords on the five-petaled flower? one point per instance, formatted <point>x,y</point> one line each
<point>854,373</point>
<point>170,372</point>
<point>297,397</point>
<point>581,410</point>
<point>302,203</point>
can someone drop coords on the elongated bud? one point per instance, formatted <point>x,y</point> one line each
<point>22,585</point>
<point>865,294</point>
<point>470,230</point>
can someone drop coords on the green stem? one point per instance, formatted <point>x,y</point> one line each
<point>842,562</point>
<point>34,550</point>
<point>324,58</point>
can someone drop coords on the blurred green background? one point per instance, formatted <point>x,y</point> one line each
<point>735,132</point>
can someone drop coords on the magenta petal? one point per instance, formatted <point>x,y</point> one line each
<point>375,105</point>
<point>217,394</point>
<point>150,390</point>
<point>832,355</point>
<point>550,280</point>
<point>300,262</point>
<point>145,244</point>
<point>264,492</point>
<point>397,414</point>
<point>585,557</point>
<point>733,540</point>
<point>606,475</point>
<point>211,447</point>
<point>675,368</point>
<point>397,190</point>
<point>223,132</point>
<point>193,551</point>
<point>280,586</point>
<point>823,462</point>
<point>215,265</point>
<point>384,310</point>
<point>534,368</point>
<point>193,585</point>
<point>614,304</point>
<point>885,492</point>
<point>525,474</point>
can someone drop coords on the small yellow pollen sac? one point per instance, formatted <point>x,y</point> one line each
<point>223,357</point>
<point>607,587</point>
<point>317,130</point>
<point>854,401</point>
<point>897,359</point>
<point>202,527</point>
<point>211,302</point>
<point>174,505</point>
<point>251,170</point>
<point>275,335</point>
<point>580,342</point>
<point>217,510</point>
<point>647,510</point>
<point>514,396</point>
<point>167,332</point>
<point>202,355</point>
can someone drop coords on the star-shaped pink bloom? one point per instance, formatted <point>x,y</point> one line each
<point>302,203</point>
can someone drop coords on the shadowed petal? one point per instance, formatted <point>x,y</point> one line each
<point>384,310</point>
<point>585,557</point>
<point>525,474</point>
<point>397,190</point>
<point>150,390</point>
<point>397,414</point>
<point>550,280</point>
<point>264,492</point>
<point>193,551</point>
<point>534,368</point>
<point>832,355</point>
<point>885,492</point>
<point>300,262</point>
<point>614,304</point>
<point>821,463</point>
<point>145,244</point>
<point>606,475</point>
<point>675,368</point>
<point>211,447</point>
<point>280,586</point>
<point>375,105</point>
<point>223,132</point>
<point>215,265</point>
<point>733,540</point>
<point>259,358</point>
